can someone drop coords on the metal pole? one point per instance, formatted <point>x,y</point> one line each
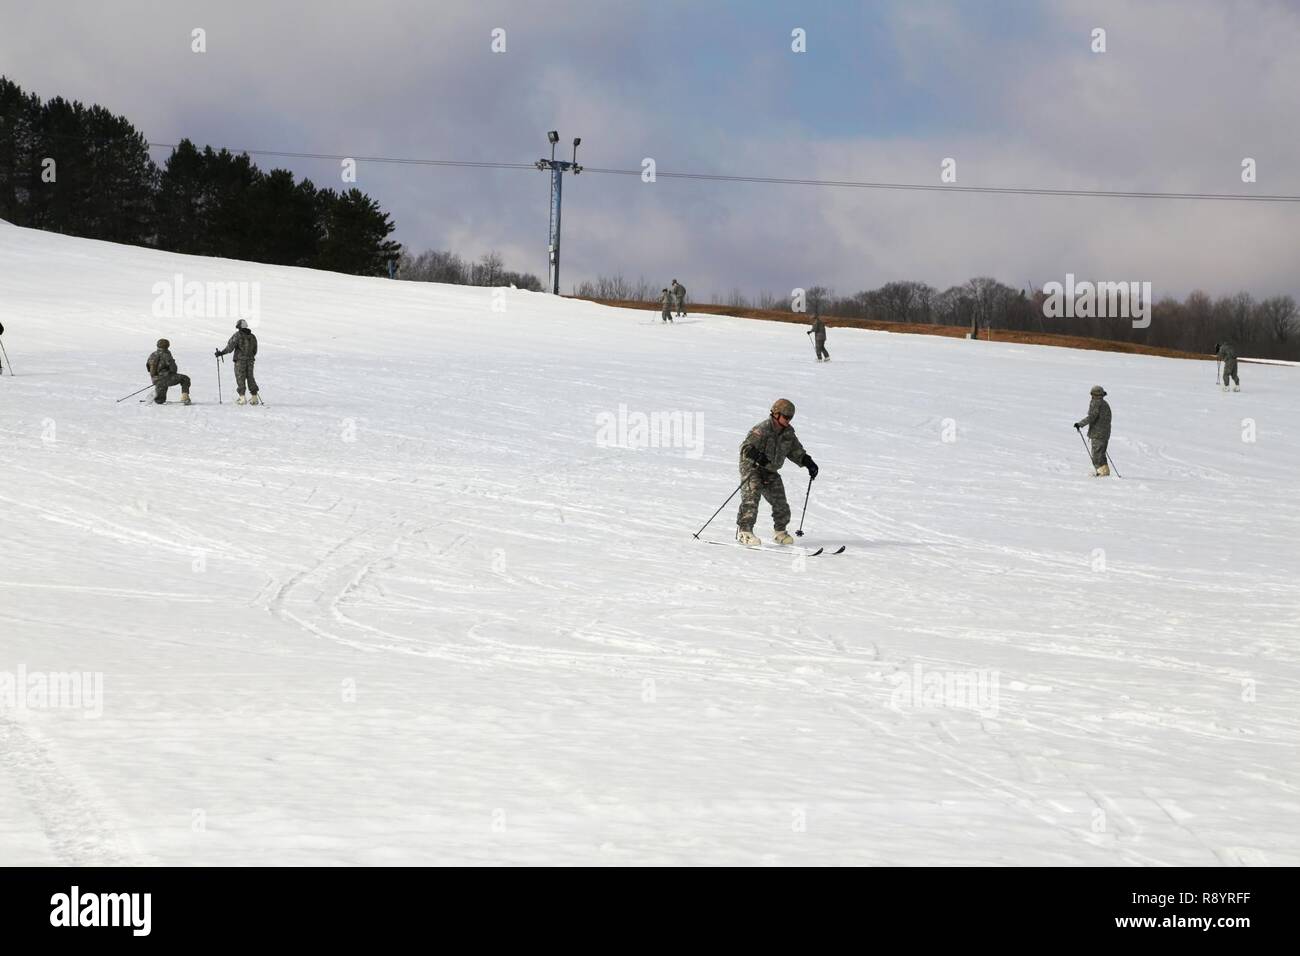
<point>719,511</point>
<point>799,533</point>
<point>136,392</point>
<point>557,186</point>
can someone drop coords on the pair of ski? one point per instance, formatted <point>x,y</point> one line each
<point>174,402</point>
<point>777,548</point>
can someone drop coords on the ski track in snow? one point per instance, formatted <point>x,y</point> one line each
<point>412,612</point>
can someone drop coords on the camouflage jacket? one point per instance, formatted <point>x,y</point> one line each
<point>1226,352</point>
<point>678,291</point>
<point>162,363</point>
<point>777,443</point>
<point>243,344</point>
<point>818,328</point>
<point>665,298</point>
<point>1098,420</point>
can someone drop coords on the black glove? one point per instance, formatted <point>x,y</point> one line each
<point>1078,425</point>
<point>216,353</point>
<point>811,466</point>
<point>757,456</point>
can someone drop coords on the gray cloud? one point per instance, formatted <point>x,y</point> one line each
<point>1186,90</point>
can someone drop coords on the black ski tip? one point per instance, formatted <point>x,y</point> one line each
<point>817,552</point>
<point>840,551</point>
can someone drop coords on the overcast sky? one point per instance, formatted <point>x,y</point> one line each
<point>885,91</point>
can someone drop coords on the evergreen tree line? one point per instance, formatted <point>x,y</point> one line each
<point>82,171</point>
<point>437,266</point>
<point>1262,328</point>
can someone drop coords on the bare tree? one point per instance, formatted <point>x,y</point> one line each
<point>737,300</point>
<point>988,299</point>
<point>1278,317</point>
<point>816,298</point>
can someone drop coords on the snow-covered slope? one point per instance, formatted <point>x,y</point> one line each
<point>417,609</point>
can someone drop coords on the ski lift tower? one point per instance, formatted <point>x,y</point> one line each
<point>557,168</point>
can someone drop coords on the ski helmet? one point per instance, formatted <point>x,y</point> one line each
<point>1098,391</point>
<point>783,406</point>
<point>164,344</point>
<point>241,324</point>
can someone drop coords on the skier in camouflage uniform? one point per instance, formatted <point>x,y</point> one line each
<point>162,369</point>
<point>1098,422</point>
<point>679,298</point>
<point>1228,355</point>
<point>666,301</point>
<point>762,453</point>
<point>244,344</point>
<point>818,332</point>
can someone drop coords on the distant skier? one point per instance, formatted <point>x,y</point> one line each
<point>1228,355</point>
<point>679,298</point>
<point>762,453</point>
<point>244,344</point>
<point>163,371</point>
<point>666,301</point>
<point>818,332</point>
<point>1098,422</point>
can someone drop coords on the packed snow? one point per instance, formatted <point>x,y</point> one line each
<point>439,602</point>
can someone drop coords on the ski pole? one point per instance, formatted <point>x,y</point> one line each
<point>720,507</point>
<point>136,392</point>
<point>6,355</point>
<point>1216,371</point>
<point>1086,450</point>
<point>1114,470</point>
<point>799,533</point>
<point>219,380</point>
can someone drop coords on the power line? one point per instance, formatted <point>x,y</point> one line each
<point>780,181</point>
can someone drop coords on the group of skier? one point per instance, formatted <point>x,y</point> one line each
<point>769,443</point>
<point>164,373</point>
<point>670,299</point>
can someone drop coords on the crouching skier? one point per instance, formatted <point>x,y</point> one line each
<point>162,369</point>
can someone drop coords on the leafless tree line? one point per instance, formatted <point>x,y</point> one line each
<point>1263,328</point>
<point>434,265</point>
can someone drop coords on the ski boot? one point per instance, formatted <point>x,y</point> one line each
<point>255,400</point>
<point>781,536</point>
<point>185,398</point>
<point>1103,471</point>
<point>747,538</point>
<point>239,400</point>
<point>1236,388</point>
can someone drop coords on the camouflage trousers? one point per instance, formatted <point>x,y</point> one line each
<point>162,383</point>
<point>821,347</point>
<point>756,483</point>
<point>244,374</point>
<point>667,314</point>
<point>1230,370</point>
<point>1099,451</point>
<point>681,306</point>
